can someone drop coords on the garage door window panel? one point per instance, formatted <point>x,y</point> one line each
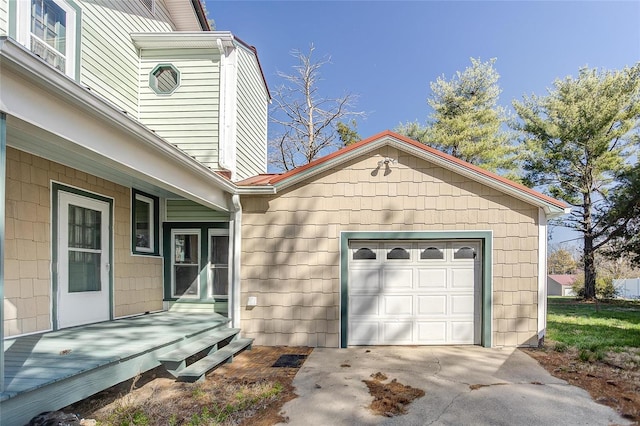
<point>432,253</point>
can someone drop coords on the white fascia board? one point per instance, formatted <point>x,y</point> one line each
<point>34,93</point>
<point>256,190</point>
<point>183,40</point>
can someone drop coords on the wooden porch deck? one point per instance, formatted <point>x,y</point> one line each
<point>47,371</point>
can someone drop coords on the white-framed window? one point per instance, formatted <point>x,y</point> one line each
<point>145,227</point>
<point>185,263</point>
<point>218,286</point>
<point>144,223</point>
<point>48,29</point>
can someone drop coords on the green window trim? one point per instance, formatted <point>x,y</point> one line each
<point>486,237</point>
<point>203,228</point>
<point>164,79</point>
<point>145,243</point>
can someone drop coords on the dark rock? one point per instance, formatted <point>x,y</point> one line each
<point>54,418</point>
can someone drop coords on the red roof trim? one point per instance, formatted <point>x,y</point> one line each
<point>255,52</point>
<point>276,178</point>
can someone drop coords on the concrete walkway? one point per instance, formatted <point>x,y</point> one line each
<point>517,391</point>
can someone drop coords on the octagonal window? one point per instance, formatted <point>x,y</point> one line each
<point>164,79</point>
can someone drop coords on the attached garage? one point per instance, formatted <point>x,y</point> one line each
<point>425,292</point>
<point>391,242</point>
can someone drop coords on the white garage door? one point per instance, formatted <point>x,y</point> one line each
<point>414,293</point>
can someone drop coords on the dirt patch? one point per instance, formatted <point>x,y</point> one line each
<point>248,391</point>
<point>613,381</point>
<point>390,399</point>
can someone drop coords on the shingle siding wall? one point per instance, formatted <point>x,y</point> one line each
<point>290,244</point>
<point>27,303</point>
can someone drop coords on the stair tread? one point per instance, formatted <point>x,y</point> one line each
<point>199,368</point>
<point>192,348</point>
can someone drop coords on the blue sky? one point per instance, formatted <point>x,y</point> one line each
<point>388,52</point>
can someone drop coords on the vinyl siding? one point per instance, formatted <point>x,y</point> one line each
<point>109,60</point>
<point>291,244</point>
<point>4,17</point>
<point>189,116</point>
<point>187,210</point>
<point>251,127</point>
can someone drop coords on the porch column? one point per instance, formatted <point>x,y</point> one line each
<point>3,174</point>
<point>236,238</point>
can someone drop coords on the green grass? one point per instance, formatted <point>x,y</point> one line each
<point>594,328</point>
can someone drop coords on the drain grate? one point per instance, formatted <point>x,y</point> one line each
<point>290,360</point>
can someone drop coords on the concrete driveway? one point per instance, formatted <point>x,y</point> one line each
<point>518,390</point>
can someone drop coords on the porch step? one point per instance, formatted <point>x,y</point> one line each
<point>175,360</point>
<point>196,371</point>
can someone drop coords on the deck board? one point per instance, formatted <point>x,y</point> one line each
<point>37,362</point>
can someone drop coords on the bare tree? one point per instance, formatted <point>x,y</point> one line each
<point>306,123</point>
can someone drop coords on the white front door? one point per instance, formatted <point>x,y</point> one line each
<point>83,260</point>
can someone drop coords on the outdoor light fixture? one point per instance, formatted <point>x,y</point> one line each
<point>386,161</point>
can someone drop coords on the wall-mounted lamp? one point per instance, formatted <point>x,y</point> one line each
<point>386,161</point>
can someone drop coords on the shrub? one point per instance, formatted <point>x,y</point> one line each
<point>604,288</point>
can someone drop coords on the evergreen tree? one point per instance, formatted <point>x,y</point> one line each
<point>467,121</point>
<point>578,137</point>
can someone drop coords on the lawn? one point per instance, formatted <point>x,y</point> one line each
<point>596,327</point>
<point>596,347</point>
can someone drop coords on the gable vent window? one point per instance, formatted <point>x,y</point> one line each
<point>164,79</point>
<point>149,4</point>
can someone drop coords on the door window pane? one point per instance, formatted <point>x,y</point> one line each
<point>219,250</point>
<point>219,265</point>
<point>84,228</point>
<point>186,249</point>
<point>186,279</point>
<point>84,272</point>
<point>220,277</point>
<point>186,264</point>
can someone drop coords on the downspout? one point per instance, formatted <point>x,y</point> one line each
<point>236,238</point>
<point>542,275</point>
<point>3,193</point>
<point>222,113</point>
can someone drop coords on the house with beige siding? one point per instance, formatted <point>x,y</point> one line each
<point>391,242</point>
<point>139,226</point>
<point>123,127</point>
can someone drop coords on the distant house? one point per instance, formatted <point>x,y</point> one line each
<point>560,285</point>
<point>628,288</point>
